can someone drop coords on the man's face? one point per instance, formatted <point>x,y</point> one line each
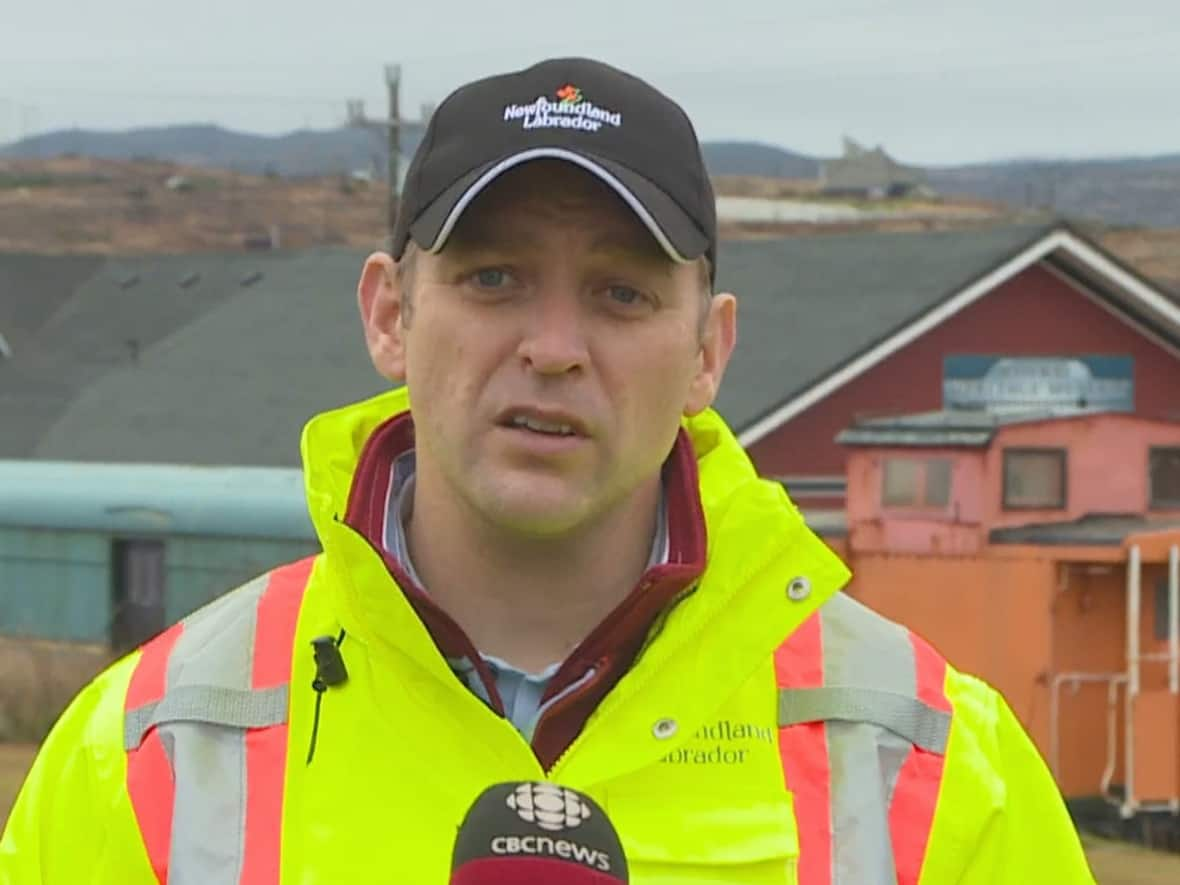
<point>550,351</point>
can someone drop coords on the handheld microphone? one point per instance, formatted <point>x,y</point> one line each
<point>534,833</point>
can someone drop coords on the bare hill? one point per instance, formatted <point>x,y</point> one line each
<point>75,204</point>
<point>1126,191</point>
<point>302,153</point>
<point>1144,191</point>
<point>761,160</point>
<point>90,206</point>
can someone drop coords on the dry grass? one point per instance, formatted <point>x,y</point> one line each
<point>15,760</point>
<point>40,678</point>
<point>115,207</point>
<point>765,188</point>
<point>1155,253</point>
<point>1119,863</point>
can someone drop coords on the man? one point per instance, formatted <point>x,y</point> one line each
<point>558,564</point>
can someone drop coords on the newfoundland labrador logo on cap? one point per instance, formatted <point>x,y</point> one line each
<point>571,110</point>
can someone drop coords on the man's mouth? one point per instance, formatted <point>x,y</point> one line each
<point>554,422</point>
<point>537,425</point>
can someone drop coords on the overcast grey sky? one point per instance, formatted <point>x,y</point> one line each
<point>936,82</point>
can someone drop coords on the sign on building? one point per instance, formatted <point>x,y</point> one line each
<point>1004,383</point>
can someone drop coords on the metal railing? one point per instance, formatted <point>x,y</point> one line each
<point>1130,804</point>
<point>1113,681</point>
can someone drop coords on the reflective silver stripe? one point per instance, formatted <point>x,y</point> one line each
<point>215,651</point>
<point>202,719</point>
<point>918,723</point>
<point>869,702</point>
<point>211,705</point>
<point>862,648</point>
<point>217,645</point>
<point>209,813</point>
<point>862,848</point>
<point>893,750</point>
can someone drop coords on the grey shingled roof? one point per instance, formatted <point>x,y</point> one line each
<point>78,319</point>
<point>235,384</point>
<point>808,305</point>
<point>33,287</point>
<point>227,374</point>
<point>1098,529</point>
<point>951,427</point>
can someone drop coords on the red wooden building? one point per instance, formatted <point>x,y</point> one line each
<point>866,324</point>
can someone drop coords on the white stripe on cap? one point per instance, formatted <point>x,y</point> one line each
<point>560,154</point>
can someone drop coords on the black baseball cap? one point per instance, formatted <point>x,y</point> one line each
<point>630,135</point>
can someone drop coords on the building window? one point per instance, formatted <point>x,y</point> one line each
<point>138,577</point>
<point>917,483</point>
<point>902,477</point>
<point>1162,611</point>
<point>1034,479</point>
<point>938,482</point>
<point>1164,478</point>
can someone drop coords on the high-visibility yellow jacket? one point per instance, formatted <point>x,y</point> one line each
<point>772,730</point>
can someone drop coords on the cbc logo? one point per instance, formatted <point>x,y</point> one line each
<point>550,807</point>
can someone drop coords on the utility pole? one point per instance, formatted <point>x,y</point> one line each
<point>390,129</point>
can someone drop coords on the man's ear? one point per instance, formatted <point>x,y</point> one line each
<point>380,298</point>
<point>717,345</point>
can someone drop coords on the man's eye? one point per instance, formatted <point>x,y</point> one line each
<point>624,295</point>
<point>490,278</point>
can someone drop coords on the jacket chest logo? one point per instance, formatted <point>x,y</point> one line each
<point>724,742</point>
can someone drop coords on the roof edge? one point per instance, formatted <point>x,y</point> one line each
<point>1059,235</point>
<point>803,398</point>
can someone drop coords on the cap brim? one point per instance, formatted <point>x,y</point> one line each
<point>677,234</point>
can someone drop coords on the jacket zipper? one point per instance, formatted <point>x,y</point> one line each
<point>566,695</point>
<point>653,633</point>
<point>577,685</point>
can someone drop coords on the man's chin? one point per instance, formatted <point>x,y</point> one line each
<point>539,511</point>
<point>538,522</point>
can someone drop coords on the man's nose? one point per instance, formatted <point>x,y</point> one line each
<point>554,338</point>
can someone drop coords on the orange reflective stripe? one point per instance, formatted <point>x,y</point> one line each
<point>266,748</point>
<point>149,773</point>
<point>798,663</point>
<point>911,812</point>
<point>915,796</point>
<point>151,789</point>
<point>278,611</point>
<point>149,680</point>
